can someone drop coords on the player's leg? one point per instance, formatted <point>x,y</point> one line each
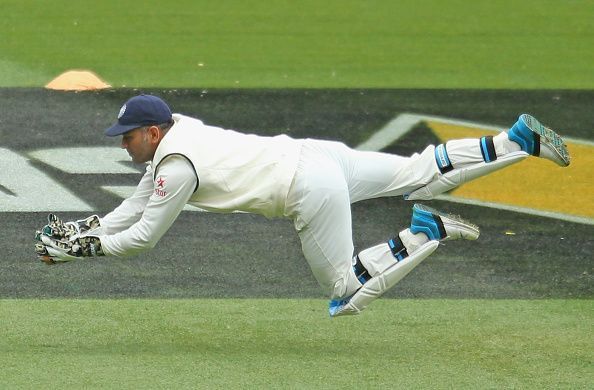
<point>379,268</point>
<point>460,161</point>
<point>442,168</point>
<point>328,248</point>
<point>376,174</point>
<point>319,204</point>
<point>320,208</point>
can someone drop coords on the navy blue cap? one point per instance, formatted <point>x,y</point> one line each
<point>139,111</point>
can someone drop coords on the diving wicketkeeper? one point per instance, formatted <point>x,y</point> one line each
<point>311,182</point>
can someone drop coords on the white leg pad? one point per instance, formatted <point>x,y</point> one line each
<point>381,283</point>
<point>458,176</point>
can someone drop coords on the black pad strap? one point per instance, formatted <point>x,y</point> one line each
<point>360,271</point>
<point>488,149</point>
<point>398,249</point>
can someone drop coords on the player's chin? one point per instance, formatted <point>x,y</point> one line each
<point>138,160</point>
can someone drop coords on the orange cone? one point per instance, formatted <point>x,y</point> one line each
<point>77,80</point>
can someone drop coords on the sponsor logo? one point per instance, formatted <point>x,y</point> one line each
<point>122,111</point>
<point>159,185</point>
<point>442,156</point>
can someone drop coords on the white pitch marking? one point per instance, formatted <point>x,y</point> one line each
<point>405,122</point>
<point>29,189</point>
<point>518,209</point>
<point>392,131</point>
<point>86,160</point>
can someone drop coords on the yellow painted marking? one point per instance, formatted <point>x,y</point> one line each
<point>534,183</point>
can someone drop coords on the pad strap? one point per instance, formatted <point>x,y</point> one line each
<point>488,149</point>
<point>442,159</point>
<point>360,271</point>
<point>398,249</point>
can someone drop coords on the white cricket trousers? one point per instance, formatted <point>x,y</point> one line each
<point>329,177</point>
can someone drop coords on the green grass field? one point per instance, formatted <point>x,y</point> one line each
<point>209,344</point>
<point>292,343</point>
<point>287,44</point>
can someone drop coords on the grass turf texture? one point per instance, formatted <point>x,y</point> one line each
<point>292,344</point>
<point>335,43</point>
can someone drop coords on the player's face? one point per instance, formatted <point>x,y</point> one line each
<point>138,145</point>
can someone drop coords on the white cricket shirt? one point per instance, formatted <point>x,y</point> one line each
<point>215,169</point>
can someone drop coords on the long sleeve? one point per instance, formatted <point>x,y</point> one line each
<point>130,210</point>
<point>172,187</point>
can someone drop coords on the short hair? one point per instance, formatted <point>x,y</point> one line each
<point>164,127</point>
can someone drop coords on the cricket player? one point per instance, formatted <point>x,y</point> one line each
<point>311,182</point>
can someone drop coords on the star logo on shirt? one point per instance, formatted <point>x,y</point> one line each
<point>159,187</point>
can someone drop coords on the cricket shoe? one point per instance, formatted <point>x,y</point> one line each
<point>538,140</point>
<point>440,226</point>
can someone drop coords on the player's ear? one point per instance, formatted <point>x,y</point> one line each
<point>154,134</point>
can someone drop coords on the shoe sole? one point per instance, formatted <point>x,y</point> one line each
<point>452,219</point>
<point>548,137</point>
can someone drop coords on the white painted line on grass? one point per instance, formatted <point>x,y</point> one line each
<point>517,209</point>
<point>86,160</point>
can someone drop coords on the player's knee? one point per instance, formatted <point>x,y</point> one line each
<point>344,287</point>
<point>423,167</point>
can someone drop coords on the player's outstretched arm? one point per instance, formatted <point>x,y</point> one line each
<point>130,210</point>
<point>62,242</point>
<point>173,185</point>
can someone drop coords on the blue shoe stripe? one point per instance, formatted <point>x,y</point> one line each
<point>335,305</point>
<point>425,222</point>
<point>521,134</point>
